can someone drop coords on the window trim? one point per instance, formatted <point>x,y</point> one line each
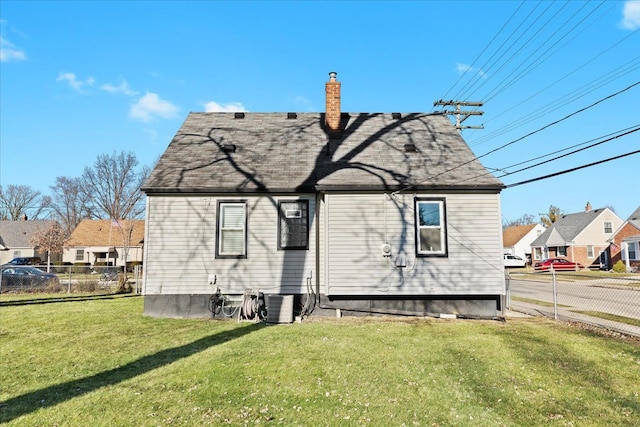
<point>281,218</point>
<point>610,224</point>
<point>591,253</point>
<point>444,235</point>
<point>78,251</point>
<point>219,205</point>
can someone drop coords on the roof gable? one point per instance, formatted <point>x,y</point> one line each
<point>17,234</point>
<point>267,152</point>
<point>512,235</point>
<point>105,233</point>
<point>567,228</point>
<point>634,218</point>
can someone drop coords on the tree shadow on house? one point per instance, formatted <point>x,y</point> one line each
<point>53,395</point>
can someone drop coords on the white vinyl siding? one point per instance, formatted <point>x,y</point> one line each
<point>180,246</point>
<point>354,228</point>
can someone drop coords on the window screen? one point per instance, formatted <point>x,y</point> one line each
<point>293,227</point>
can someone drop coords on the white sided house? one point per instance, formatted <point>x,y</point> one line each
<point>105,242</point>
<point>356,212</point>
<point>516,240</point>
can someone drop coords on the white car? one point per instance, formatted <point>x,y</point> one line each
<point>513,261</point>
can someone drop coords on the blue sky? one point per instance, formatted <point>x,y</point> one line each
<point>80,79</point>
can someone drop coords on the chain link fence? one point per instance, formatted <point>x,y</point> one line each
<point>69,279</point>
<point>604,299</point>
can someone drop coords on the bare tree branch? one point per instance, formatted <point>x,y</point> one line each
<point>18,201</point>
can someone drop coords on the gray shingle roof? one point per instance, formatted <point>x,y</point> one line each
<point>566,228</point>
<point>277,154</point>
<point>17,234</point>
<point>634,218</point>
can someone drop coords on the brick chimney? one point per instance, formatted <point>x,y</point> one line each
<point>332,90</point>
<point>587,208</point>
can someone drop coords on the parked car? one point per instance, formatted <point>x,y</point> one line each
<point>557,264</point>
<point>20,277</point>
<point>513,261</point>
<point>30,260</point>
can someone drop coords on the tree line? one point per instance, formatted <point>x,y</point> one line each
<point>108,189</point>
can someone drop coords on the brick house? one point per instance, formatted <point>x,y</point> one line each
<point>625,243</point>
<point>581,237</point>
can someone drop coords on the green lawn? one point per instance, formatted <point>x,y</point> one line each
<point>99,362</point>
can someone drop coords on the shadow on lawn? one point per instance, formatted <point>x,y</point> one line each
<point>71,298</point>
<point>55,394</point>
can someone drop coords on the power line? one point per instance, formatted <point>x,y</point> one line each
<point>483,50</point>
<point>620,133</point>
<point>626,132</point>
<point>560,120</point>
<point>566,99</point>
<point>484,68</point>
<point>527,135</point>
<point>572,169</point>
<point>539,59</point>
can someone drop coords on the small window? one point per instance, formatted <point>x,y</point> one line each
<point>231,230</point>
<point>431,233</point>
<point>537,253</point>
<point>590,251</point>
<point>293,226</point>
<point>79,254</point>
<point>608,227</point>
<point>633,251</point>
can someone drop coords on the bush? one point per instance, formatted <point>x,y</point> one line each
<point>82,267</point>
<point>620,267</point>
<point>123,287</point>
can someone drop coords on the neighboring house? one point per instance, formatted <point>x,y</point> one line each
<point>581,237</point>
<point>15,239</point>
<point>103,242</point>
<point>362,212</point>
<point>517,240</point>
<point>625,243</point>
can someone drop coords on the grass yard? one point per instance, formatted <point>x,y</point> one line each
<point>99,362</point>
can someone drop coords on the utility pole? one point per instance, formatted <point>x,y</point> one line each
<point>461,116</point>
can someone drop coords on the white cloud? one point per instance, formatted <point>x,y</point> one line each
<point>121,88</point>
<point>464,68</point>
<point>152,133</point>
<point>214,107</point>
<point>150,107</point>
<point>73,82</point>
<point>631,15</point>
<point>8,52</point>
<point>305,103</point>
